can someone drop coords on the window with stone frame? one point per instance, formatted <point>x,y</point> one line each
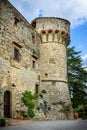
<point>16,55</point>
<point>16,51</point>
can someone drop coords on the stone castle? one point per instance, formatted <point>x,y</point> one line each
<point>33,58</point>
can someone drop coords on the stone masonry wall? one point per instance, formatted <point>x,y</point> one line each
<point>32,54</point>
<point>16,76</point>
<point>53,66</point>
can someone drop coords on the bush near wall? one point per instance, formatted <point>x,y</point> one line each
<point>2,121</point>
<point>83,115</point>
<point>29,100</point>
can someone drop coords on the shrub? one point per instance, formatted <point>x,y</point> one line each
<point>35,96</point>
<point>43,91</point>
<point>2,121</point>
<point>29,101</point>
<point>31,112</point>
<point>83,115</point>
<point>38,108</point>
<point>41,95</point>
<point>27,98</point>
<point>24,114</point>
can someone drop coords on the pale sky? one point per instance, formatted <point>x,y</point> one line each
<point>73,10</point>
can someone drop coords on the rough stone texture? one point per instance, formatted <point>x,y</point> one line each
<point>44,42</point>
<point>53,67</point>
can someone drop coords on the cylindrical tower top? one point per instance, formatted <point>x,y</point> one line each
<point>53,25</point>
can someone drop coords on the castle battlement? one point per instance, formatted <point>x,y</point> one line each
<point>52,29</point>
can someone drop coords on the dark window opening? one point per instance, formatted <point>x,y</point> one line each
<point>33,64</point>
<point>36,88</point>
<point>67,34</point>
<point>56,31</point>
<point>33,39</point>
<point>62,32</point>
<point>16,21</point>
<point>66,23</point>
<point>50,31</point>
<point>46,75</point>
<point>34,24</point>
<point>16,54</point>
<point>43,32</point>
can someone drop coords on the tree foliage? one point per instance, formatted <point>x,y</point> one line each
<point>77,77</point>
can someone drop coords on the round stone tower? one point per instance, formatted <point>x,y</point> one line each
<point>55,36</point>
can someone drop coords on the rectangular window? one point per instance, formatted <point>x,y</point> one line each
<point>36,88</point>
<point>33,39</point>
<point>16,54</point>
<point>33,64</point>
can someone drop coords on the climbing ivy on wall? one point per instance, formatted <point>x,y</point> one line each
<point>28,100</point>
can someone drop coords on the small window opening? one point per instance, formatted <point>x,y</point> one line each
<point>16,21</point>
<point>67,34</point>
<point>46,75</point>
<point>33,64</point>
<point>43,32</point>
<point>50,31</point>
<point>34,24</point>
<point>36,88</point>
<point>33,39</point>
<point>56,31</point>
<point>16,54</point>
<point>66,23</point>
<point>62,32</point>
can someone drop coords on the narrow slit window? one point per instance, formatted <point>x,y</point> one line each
<point>33,39</point>
<point>33,64</point>
<point>36,88</point>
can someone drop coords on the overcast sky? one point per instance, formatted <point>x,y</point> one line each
<point>73,10</point>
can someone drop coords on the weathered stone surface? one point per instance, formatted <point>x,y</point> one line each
<point>27,53</point>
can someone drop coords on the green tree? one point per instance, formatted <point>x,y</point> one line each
<point>77,78</point>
